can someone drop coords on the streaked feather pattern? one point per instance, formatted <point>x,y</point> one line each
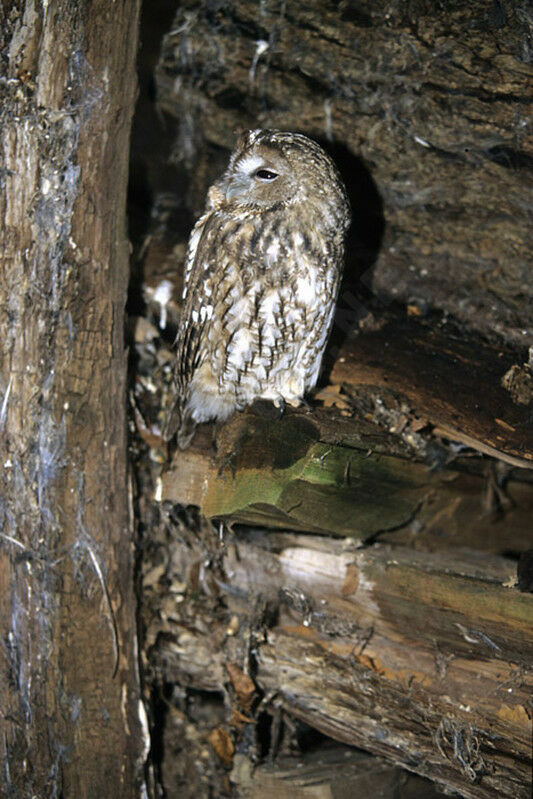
<point>262,274</point>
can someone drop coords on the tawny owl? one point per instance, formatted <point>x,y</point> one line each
<point>262,274</point>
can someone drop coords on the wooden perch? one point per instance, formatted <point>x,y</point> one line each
<point>282,474</point>
<point>423,659</point>
<point>321,472</point>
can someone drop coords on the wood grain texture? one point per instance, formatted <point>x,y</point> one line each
<point>424,660</point>
<point>451,378</point>
<point>322,472</point>
<point>71,724</point>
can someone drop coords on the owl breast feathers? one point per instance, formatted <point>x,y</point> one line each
<point>262,274</point>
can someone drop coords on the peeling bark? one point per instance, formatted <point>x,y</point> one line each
<point>69,689</point>
<point>421,658</point>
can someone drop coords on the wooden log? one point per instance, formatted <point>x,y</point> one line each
<point>425,660</point>
<point>452,378</point>
<point>328,771</point>
<point>325,473</point>
<point>71,720</point>
<point>282,472</point>
<point>424,108</point>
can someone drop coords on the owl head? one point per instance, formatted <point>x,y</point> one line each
<point>272,169</point>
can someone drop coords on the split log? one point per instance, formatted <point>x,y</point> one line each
<point>71,723</point>
<point>325,473</point>
<point>425,660</point>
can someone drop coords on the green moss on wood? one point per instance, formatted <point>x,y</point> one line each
<point>331,489</point>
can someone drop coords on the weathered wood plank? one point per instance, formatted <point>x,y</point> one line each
<point>321,472</point>
<point>425,660</point>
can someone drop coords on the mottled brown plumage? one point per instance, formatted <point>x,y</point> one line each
<point>262,274</point>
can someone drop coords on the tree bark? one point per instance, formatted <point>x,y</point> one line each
<point>423,659</point>
<point>69,690</point>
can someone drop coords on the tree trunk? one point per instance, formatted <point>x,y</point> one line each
<point>69,688</point>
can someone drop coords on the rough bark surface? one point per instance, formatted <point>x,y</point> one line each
<point>425,108</point>
<point>424,659</point>
<point>69,688</point>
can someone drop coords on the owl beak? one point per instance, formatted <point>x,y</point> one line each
<point>231,192</point>
<point>236,188</point>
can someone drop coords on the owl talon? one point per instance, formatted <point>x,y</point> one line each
<point>306,405</point>
<point>267,409</point>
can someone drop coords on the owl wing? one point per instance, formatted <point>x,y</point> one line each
<point>204,268</point>
<point>207,298</point>
<point>189,335</point>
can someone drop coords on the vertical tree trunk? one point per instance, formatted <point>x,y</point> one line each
<point>69,691</point>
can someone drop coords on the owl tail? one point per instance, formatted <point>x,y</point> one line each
<point>172,422</point>
<point>186,430</point>
<point>179,420</point>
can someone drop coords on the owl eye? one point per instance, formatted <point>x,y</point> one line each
<point>266,174</point>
